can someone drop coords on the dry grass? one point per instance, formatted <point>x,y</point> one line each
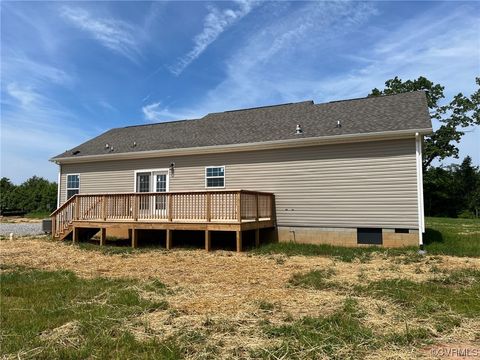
<point>215,299</point>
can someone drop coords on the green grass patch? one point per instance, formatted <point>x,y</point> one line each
<point>444,300</point>
<point>321,337</point>
<point>38,215</point>
<point>456,237</point>
<point>346,254</point>
<point>56,315</point>
<point>315,279</point>
<point>337,336</point>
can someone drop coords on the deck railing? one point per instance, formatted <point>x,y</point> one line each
<point>228,206</point>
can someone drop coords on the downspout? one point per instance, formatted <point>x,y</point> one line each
<point>58,184</point>
<point>421,215</point>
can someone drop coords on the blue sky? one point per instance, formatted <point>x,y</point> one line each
<point>72,70</point>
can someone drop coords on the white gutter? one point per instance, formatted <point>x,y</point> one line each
<point>264,145</point>
<point>421,213</point>
<point>58,184</point>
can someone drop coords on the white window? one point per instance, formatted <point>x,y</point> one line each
<point>73,185</point>
<point>215,177</point>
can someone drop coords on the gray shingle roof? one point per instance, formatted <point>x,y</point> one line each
<point>278,122</point>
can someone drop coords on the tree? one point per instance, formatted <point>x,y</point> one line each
<point>461,112</point>
<point>6,190</point>
<point>467,179</point>
<point>35,194</point>
<point>452,190</point>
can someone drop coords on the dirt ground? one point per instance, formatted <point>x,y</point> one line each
<point>227,289</point>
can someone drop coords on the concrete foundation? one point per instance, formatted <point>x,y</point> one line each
<point>344,236</point>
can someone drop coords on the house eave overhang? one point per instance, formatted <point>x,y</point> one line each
<point>264,145</point>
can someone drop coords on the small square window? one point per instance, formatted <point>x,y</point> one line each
<point>215,177</point>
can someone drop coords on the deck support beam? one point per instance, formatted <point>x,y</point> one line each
<point>75,234</point>
<point>257,237</point>
<point>103,236</point>
<point>208,240</point>
<point>134,238</point>
<point>168,243</point>
<point>239,241</point>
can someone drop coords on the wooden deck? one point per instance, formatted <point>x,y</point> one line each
<point>232,210</point>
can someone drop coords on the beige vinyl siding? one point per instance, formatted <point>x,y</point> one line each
<point>368,184</point>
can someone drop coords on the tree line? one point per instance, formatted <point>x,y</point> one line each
<point>34,195</point>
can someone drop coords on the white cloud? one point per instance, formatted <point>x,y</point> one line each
<point>214,24</point>
<point>106,105</point>
<point>114,34</point>
<point>154,112</point>
<point>25,96</point>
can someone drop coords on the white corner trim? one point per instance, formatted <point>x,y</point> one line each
<point>421,212</point>
<point>59,179</point>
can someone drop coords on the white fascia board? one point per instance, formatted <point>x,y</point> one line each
<point>264,145</point>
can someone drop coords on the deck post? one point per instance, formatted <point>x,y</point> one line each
<point>257,237</point>
<point>209,207</point>
<point>239,240</point>
<point>77,208</point>
<point>54,224</point>
<point>208,240</point>
<point>239,206</point>
<point>134,238</point>
<point>103,236</point>
<point>135,208</point>
<point>168,243</point>
<point>104,207</point>
<point>75,234</point>
<point>170,207</point>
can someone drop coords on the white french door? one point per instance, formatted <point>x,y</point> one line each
<point>155,181</point>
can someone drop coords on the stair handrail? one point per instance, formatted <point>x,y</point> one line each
<point>62,223</point>
<point>65,204</point>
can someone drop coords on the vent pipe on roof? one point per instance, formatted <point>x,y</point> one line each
<point>339,125</point>
<point>298,130</point>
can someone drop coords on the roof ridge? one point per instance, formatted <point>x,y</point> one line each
<point>262,107</point>
<point>371,97</point>
<point>157,123</point>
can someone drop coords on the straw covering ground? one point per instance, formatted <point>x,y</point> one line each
<point>193,304</point>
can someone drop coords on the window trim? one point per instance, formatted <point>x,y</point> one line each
<point>216,177</point>
<point>68,188</point>
<point>151,171</point>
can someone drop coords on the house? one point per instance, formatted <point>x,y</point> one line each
<point>343,173</point>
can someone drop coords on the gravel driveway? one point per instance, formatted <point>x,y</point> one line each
<point>21,228</point>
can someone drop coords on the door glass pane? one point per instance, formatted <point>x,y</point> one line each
<point>143,182</point>
<point>160,186</point>
<point>143,185</point>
